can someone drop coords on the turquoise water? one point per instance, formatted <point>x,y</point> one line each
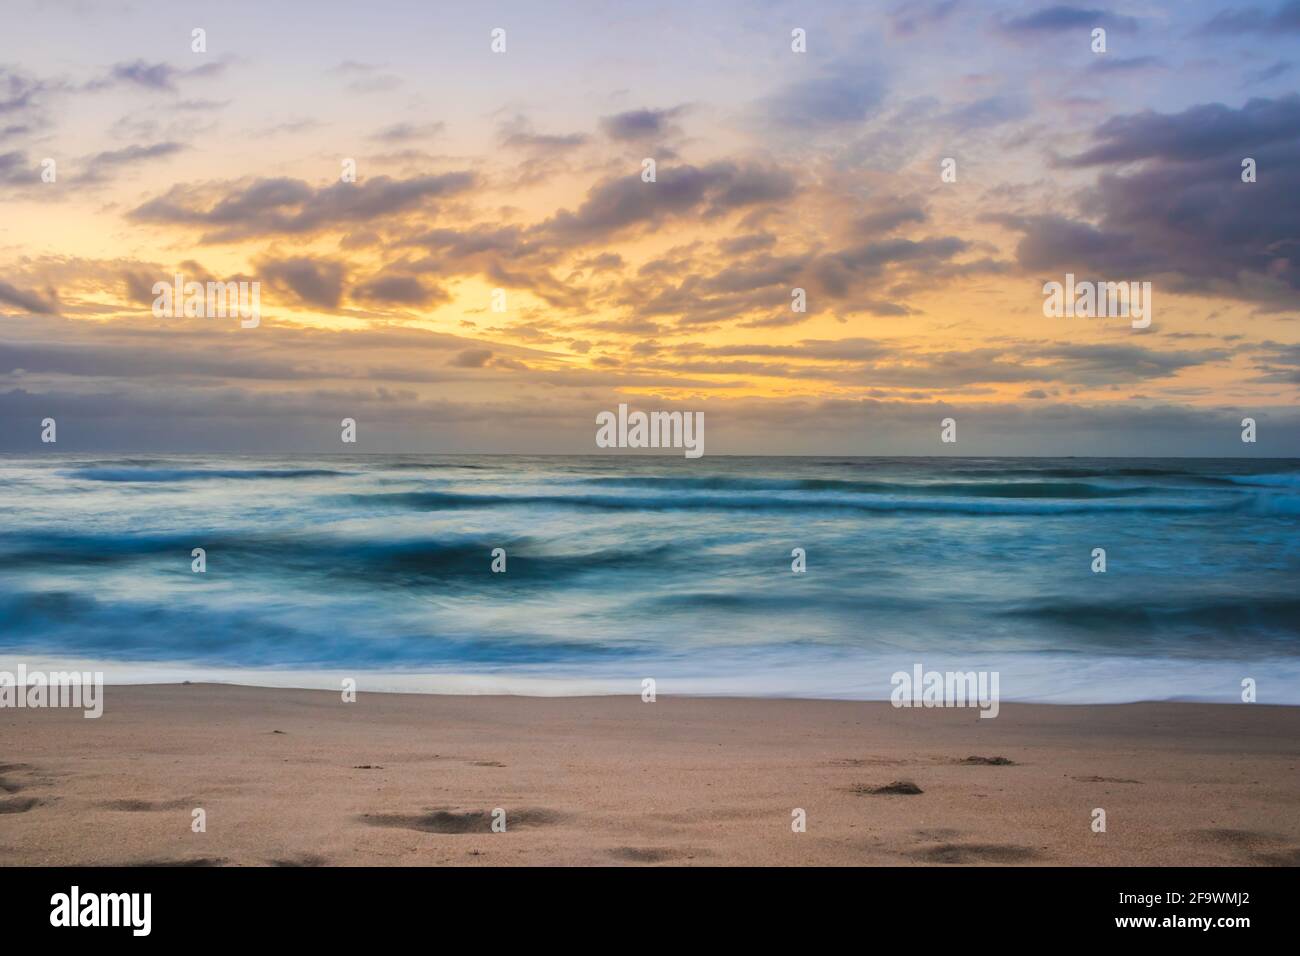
<point>621,567</point>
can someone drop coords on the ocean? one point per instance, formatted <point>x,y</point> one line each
<point>621,568</point>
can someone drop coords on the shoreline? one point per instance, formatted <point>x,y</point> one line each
<point>297,777</point>
<point>1040,678</point>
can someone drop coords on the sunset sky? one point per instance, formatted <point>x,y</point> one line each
<point>521,171</point>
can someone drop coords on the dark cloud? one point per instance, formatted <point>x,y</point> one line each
<point>471,358</point>
<point>28,300</point>
<point>742,245</point>
<point>1118,363</point>
<point>707,191</point>
<point>841,274</point>
<point>1270,72</point>
<point>1055,242</point>
<point>247,420</point>
<point>1283,19</point>
<point>1061,18</point>
<point>475,242</point>
<point>101,166</point>
<point>229,389</point>
<point>604,262</point>
<point>291,206</point>
<point>640,124</point>
<point>1199,132</point>
<point>1119,64</point>
<point>1184,211</point>
<point>1278,364</point>
<point>398,290</point>
<point>17,169</point>
<point>18,92</point>
<point>756,273</point>
<point>853,361</point>
<point>317,282</point>
<point>99,361</point>
<point>888,215</point>
<point>155,76</point>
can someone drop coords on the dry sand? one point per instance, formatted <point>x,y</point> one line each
<point>299,777</point>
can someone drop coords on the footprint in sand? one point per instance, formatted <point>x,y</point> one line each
<point>897,788</point>
<point>649,854</point>
<point>7,783</point>
<point>304,859</point>
<point>190,861</point>
<point>460,821</point>
<point>867,762</point>
<point>145,806</point>
<point>1262,848</point>
<point>1287,857</point>
<point>938,834</point>
<point>976,853</point>
<point>18,804</point>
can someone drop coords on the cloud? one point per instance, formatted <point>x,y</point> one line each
<point>398,290</point>
<point>29,301</point>
<point>1058,19</point>
<point>840,274</point>
<point>16,169</point>
<point>914,16</point>
<point>406,132</point>
<point>859,360</point>
<point>471,358</point>
<point>709,191</point>
<point>314,282</point>
<point>850,91</point>
<point>101,166</point>
<point>18,92</point>
<point>155,76</point>
<point>889,214</point>
<point>1284,19</point>
<point>1132,64</point>
<point>518,134</point>
<point>1199,132</point>
<point>212,386</point>
<point>1185,212</point>
<point>476,243</point>
<point>640,124</point>
<point>292,206</point>
<point>1270,72</point>
<point>988,111</point>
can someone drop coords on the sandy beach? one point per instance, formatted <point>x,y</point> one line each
<point>300,778</point>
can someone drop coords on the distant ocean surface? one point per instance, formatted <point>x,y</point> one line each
<point>621,568</point>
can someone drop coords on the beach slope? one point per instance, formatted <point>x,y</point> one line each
<point>298,777</point>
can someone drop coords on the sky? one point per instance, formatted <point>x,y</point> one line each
<point>500,271</point>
